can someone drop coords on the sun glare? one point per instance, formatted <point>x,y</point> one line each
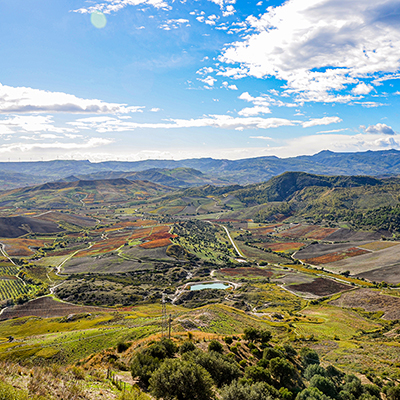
<point>98,19</point>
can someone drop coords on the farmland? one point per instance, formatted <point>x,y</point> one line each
<point>76,282</point>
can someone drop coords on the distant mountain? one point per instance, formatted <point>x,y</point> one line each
<point>197,172</point>
<point>282,187</point>
<point>180,177</point>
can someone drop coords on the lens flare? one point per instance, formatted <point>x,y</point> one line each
<point>98,19</point>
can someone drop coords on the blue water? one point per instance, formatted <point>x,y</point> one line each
<point>209,286</point>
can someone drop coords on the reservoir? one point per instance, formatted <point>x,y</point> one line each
<point>216,285</point>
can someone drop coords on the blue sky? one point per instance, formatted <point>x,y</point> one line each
<point>138,79</point>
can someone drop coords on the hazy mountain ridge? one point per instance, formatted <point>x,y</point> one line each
<point>187,172</point>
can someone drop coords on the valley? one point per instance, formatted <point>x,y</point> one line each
<point>89,265</point>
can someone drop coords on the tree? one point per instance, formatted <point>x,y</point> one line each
<point>181,380</point>
<point>256,391</point>
<point>324,384</point>
<point>309,356</point>
<point>143,365</point>
<point>312,394</point>
<point>281,369</point>
<point>393,393</point>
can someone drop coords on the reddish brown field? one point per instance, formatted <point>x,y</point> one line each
<point>156,243</point>
<point>130,224</point>
<point>299,231</point>
<point>159,238</point>
<point>321,233</point>
<point>89,199</point>
<point>103,246</point>
<point>336,256</point>
<point>46,307</point>
<point>246,271</point>
<point>320,287</point>
<point>20,247</point>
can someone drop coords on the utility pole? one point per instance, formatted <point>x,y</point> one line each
<point>164,321</point>
<point>169,326</point>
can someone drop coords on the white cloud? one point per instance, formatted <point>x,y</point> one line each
<point>321,121</point>
<point>110,124</point>
<point>25,147</point>
<point>205,71</point>
<point>261,137</point>
<point>362,88</point>
<point>30,123</point>
<point>208,81</point>
<point>250,111</point>
<point>28,100</point>
<point>155,109</point>
<point>174,24</point>
<point>320,47</point>
<point>334,130</point>
<point>226,85</point>
<point>380,128</point>
<point>115,5</point>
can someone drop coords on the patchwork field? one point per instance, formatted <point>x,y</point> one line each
<point>23,247</point>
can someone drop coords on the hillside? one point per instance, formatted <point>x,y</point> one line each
<point>59,195</point>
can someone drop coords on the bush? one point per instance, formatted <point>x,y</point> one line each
<point>181,380</point>
<point>228,340</point>
<point>123,346</point>
<point>186,346</point>
<point>214,345</point>
<point>312,394</point>
<point>221,368</point>
<point>324,384</point>
<point>309,356</point>
<point>256,391</point>
<point>314,369</point>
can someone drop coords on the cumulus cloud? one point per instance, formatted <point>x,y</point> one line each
<point>116,5</point>
<point>28,100</point>
<point>105,124</point>
<point>362,88</point>
<point>320,48</point>
<point>208,81</point>
<point>380,128</point>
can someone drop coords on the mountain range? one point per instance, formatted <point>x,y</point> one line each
<point>197,172</point>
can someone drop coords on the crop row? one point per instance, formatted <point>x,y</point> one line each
<point>12,288</point>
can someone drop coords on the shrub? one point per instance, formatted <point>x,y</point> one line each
<point>324,384</point>
<point>228,340</point>
<point>214,345</point>
<point>181,380</point>
<point>314,369</point>
<point>309,356</point>
<point>123,346</point>
<point>186,346</point>
<point>256,391</point>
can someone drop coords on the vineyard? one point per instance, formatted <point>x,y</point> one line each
<point>13,288</point>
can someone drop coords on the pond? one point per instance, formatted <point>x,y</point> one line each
<point>216,285</point>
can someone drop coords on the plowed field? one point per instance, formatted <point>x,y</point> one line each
<point>320,287</point>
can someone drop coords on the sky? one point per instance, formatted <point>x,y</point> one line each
<point>173,79</point>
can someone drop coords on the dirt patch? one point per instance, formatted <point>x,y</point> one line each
<point>370,300</point>
<point>320,287</point>
<point>246,271</point>
<point>46,307</point>
<point>337,256</point>
<point>299,231</point>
